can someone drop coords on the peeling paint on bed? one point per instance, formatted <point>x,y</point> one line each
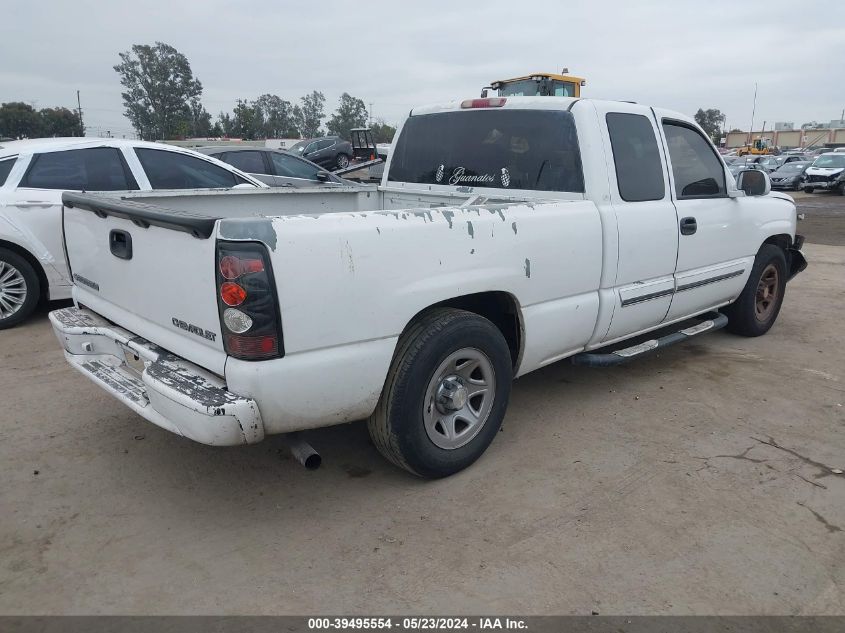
<point>528,268</point>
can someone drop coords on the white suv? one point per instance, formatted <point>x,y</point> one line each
<point>33,175</point>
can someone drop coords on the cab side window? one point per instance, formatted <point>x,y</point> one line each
<point>92,169</point>
<point>697,170</point>
<point>639,171</point>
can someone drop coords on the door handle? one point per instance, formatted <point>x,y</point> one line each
<point>688,226</point>
<point>33,203</point>
<point>120,244</point>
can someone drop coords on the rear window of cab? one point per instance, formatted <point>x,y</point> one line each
<point>504,149</point>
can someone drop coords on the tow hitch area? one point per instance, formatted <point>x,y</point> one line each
<point>706,323</point>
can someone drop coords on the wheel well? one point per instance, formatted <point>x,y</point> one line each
<point>36,266</point>
<point>500,308</point>
<point>782,241</point>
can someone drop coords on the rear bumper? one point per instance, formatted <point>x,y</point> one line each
<point>164,389</point>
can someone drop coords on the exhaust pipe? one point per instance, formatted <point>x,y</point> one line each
<point>302,451</point>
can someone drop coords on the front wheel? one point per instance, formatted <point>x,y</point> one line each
<point>757,308</point>
<point>342,161</point>
<point>445,395</point>
<point>808,190</point>
<point>19,289</point>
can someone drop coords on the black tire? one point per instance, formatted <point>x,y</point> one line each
<point>398,425</point>
<point>841,189</point>
<point>12,313</point>
<point>757,308</point>
<point>808,190</point>
<point>342,161</point>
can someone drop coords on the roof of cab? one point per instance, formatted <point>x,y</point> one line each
<point>536,103</point>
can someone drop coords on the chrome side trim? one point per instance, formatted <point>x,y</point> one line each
<point>711,280</point>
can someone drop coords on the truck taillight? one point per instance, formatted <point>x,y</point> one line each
<point>247,302</point>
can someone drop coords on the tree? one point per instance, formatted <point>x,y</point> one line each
<point>277,117</point>
<point>21,120</point>
<point>351,113</point>
<point>200,119</point>
<point>18,120</point>
<point>242,122</point>
<point>160,89</point>
<point>382,132</point>
<point>60,122</point>
<point>310,114</point>
<point>711,121</point>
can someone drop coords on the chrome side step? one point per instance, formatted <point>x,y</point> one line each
<point>713,321</point>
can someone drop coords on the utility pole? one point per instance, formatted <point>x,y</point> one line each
<point>371,114</point>
<point>753,111</point>
<point>79,106</point>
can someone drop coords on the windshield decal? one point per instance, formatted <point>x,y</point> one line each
<point>506,177</point>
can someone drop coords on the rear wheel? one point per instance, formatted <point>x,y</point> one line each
<point>808,190</point>
<point>757,308</point>
<point>445,395</point>
<point>19,289</point>
<point>342,161</point>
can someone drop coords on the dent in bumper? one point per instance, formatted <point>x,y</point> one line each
<point>169,392</point>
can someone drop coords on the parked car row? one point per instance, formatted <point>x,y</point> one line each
<point>796,171</point>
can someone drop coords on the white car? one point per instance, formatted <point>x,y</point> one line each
<point>826,172</point>
<point>33,175</point>
<point>507,234</point>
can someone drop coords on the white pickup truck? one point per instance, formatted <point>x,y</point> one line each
<point>507,234</point>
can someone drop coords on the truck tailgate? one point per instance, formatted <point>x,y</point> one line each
<point>148,270</point>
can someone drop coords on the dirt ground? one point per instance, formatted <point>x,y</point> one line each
<point>705,479</point>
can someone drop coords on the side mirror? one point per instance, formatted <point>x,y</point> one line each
<point>322,176</point>
<point>754,182</point>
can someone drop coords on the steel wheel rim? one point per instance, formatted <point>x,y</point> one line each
<point>459,398</point>
<point>342,161</point>
<point>767,293</point>
<point>12,290</point>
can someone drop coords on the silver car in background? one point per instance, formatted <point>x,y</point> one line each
<point>276,168</point>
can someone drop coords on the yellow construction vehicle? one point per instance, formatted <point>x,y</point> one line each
<point>539,84</point>
<point>758,147</point>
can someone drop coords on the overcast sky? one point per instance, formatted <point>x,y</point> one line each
<point>394,54</point>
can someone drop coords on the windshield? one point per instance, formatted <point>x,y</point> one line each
<point>515,149</point>
<point>544,88</point>
<point>830,160</point>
